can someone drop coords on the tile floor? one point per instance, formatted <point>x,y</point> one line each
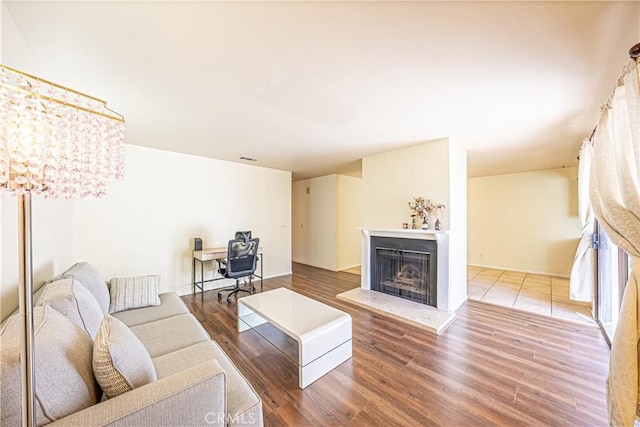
<point>537,293</point>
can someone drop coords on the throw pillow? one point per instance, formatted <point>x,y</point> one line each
<point>64,376</point>
<point>87,275</point>
<point>133,292</point>
<point>75,302</point>
<point>120,361</point>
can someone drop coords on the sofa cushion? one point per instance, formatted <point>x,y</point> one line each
<point>120,361</point>
<point>75,302</point>
<point>171,334</point>
<point>64,376</point>
<point>243,403</point>
<point>170,305</point>
<point>133,292</point>
<point>89,277</point>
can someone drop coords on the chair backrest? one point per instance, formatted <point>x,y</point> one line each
<point>242,257</point>
<point>243,235</point>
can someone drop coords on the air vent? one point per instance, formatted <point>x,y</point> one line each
<point>248,159</point>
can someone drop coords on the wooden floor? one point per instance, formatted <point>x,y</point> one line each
<point>493,366</point>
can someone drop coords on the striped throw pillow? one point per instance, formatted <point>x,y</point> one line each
<point>133,292</point>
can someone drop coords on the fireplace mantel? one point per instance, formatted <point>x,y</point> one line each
<point>440,236</point>
<point>405,233</point>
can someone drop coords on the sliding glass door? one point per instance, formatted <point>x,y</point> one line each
<point>612,275</point>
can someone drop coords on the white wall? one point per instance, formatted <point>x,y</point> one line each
<point>323,209</point>
<point>51,245</point>
<point>392,179</point>
<point>51,220</point>
<point>435,170</point>
<point>316,222</point>
<point>458,230</point>
<point>325,216</point>
<point>147,223</point>
<point>14,51</point>
<point>524,221</point>
<point>349,219</point>
<point>301,221</point>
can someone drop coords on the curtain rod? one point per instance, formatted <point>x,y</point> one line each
<point>593,132</point>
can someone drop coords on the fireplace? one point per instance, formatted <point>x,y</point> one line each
<point>406,268</point>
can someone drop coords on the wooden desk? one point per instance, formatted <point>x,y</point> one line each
<point>213,254</point>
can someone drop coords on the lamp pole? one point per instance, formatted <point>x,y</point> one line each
<point>26,310</point>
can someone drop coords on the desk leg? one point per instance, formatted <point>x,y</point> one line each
<point>193,275</point>
<point>261,272</point>
<point>202,281</point>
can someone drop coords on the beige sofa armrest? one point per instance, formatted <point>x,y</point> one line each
<point>193,397</point>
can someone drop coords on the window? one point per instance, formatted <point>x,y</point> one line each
<point>613,271</point>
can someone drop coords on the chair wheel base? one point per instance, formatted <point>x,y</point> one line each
<point>235,291</point>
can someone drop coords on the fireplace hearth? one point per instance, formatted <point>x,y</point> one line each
<point>406,268</point>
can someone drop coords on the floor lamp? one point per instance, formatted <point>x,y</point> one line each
<point>57,142</point>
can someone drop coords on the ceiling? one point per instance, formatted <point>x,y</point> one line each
<point>312,87</point>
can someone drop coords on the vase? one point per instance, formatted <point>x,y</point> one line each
<point>437,224</point>
<point>425,223</point>
<point>413,223</point>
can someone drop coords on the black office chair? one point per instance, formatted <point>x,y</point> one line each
<point>242,258</point>
<point>240,235</point>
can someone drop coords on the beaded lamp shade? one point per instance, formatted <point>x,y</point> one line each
<point>61,143</point>
<point>55,140</point>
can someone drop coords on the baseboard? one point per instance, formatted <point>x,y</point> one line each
<point>188,288</point>
<point>564,276</point>
<point>218,284</point>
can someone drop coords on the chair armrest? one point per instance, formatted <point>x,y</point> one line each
<point>195,396</point>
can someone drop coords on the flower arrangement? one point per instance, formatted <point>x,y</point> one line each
<point>422,207</point>
<point>438,209</point>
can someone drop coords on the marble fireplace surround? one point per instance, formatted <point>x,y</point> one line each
<point>440,236</point>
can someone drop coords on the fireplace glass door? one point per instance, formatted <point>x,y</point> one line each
<point>403,273</point>
<point>405,268</point>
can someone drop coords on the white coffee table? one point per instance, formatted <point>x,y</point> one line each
<point>323,333</point>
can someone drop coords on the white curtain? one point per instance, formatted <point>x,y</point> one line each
<point>582,272</point>
<point>615,195</point>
